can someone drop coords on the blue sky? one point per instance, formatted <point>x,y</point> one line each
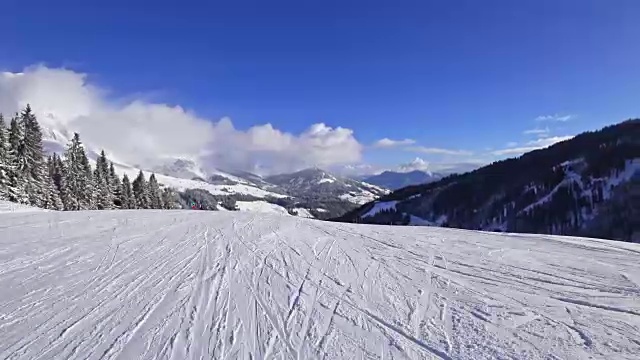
<point>466,76</point>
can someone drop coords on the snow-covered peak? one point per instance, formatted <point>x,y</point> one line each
<point>322,183</point>
<point>180,168</point>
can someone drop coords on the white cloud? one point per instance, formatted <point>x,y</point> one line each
<point>555,117</point>
<point>537,131</point>
<point>544,142</point>
<point>438,151</point>
<point>386,143</point>
<point>415,164</point>
<point>531,145</point>
<point>357,170</point>
<point>512,144</point>
<point>458,167</point>
<point>138,132</point>
<point>515,150</point>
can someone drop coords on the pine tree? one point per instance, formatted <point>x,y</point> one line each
<point>115,187</point>
<point>16,189</point>
<point>4,161</point>
<point>54,202</point>
<point>169,198</point>
<point>102,164</point>
<point>155,195</point>
<point>54,197</point>
<point>102,186</point>
<point>127,198</point>
<point>77,177</point>
<point>57,171</point>
<point>89,194</point>
<point>32,162</point>
<point>141,191</point>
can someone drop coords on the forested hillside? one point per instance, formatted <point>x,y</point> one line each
<point>588,185</point>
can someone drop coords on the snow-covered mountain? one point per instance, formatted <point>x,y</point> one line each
<point>587,186</point>
<point>311,191</point>
<point>175,284</point>
<point>395,180</point>
<point>318,183</point>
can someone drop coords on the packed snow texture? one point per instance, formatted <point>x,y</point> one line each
<point>192,284</point>
<point>261,206</point>
<point>11,207</point>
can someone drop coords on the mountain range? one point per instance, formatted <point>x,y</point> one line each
<point>588,185</point>
<point>395,180</point>
<point>310,192</point>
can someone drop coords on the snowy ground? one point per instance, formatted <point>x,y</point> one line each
<point>202,285</point>
<point>261,206</point>
<point>11,207</point>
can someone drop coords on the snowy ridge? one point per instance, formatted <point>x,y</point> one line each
<point>319,183</point>
<point>192,285</point>
<point>380,206</point>
<point>359,198</point>
<point>182,184</point>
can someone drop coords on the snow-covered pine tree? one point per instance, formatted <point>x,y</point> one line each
<point>89,193</point>
<point>4,160</point>
<point>57,171</point>
<point>76,178</point>
<point>115,187</point>
<point>155,195</point>
<point>127,198</point>
<point>33,165</point>
<point>54,202</point>
<point>16,189</point>
<point>169,198</point>
<point>101,178</point>
<point>102,163</point>
<point>141,191</point>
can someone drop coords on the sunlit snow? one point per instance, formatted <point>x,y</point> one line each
<point>186,284</point>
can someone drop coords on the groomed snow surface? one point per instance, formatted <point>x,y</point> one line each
<point>216,285</point>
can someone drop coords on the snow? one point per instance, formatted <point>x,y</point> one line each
<point>418,221</point>
<point>266,207</point>
<point>375,187</point>
<point>186,284</point>
<point>261,206</point>
<point>183,184</point>
<point>56,143</point>
<point>227,175</point>
<point>11,207</point>
<point>302,212</point>
<point>359,198</point>
<point>326,180</point>
<point>631,168</point>
<point>380,206</point>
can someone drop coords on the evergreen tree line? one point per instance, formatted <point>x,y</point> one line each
<point>28,177</point>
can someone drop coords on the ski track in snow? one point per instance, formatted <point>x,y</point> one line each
<point>204,285</point>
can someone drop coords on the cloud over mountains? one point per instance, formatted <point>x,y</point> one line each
<point>141,132</point>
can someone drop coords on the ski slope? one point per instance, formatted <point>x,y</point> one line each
<point>202,285</point>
